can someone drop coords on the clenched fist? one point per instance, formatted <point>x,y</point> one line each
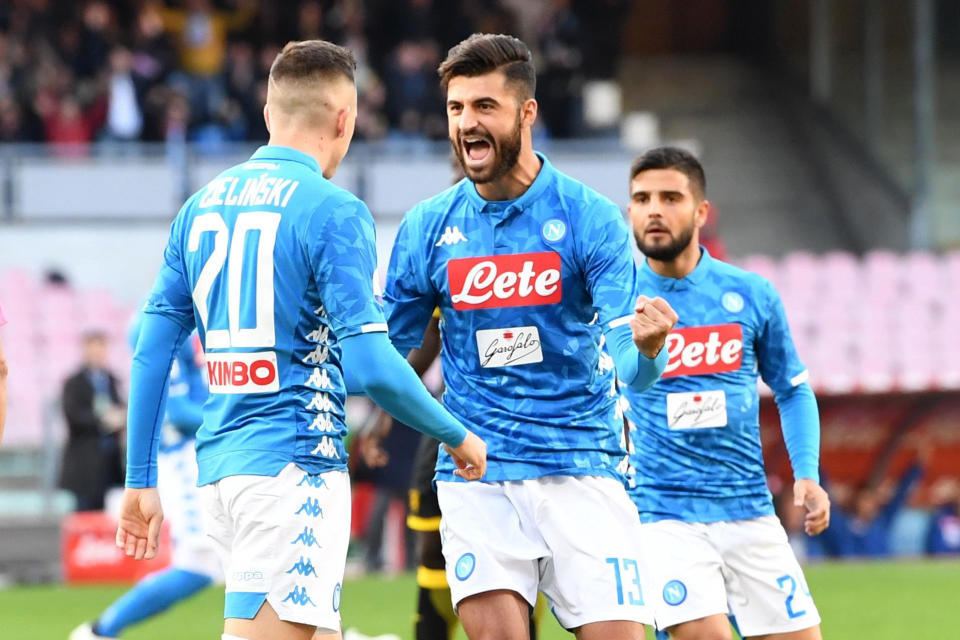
<point>653,319</point>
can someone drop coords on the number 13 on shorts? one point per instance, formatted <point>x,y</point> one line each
<point>626,570</point>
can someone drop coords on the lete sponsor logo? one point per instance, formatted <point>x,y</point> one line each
<point>696,351</point>
<point>243,372</point>
<point>515,280</point>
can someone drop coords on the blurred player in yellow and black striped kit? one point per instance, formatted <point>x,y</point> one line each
<point>435,618</point>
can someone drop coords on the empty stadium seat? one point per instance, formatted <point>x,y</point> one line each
<point>882,323</point>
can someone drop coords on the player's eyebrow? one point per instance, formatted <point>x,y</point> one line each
<point>489,99</point>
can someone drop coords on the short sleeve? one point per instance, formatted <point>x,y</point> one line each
<point>609,267</point>
<point>3,318</point>
<point>170,295</point>
<point>777,358</point>
<point>344,258</point>
<point>409,298</point>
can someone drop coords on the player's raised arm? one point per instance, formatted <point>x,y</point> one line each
<point>781,369</point>
<point>370,361</point>
<point>408,297</point>
<point>636,328</point>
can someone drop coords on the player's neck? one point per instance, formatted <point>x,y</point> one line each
<point>309,145</point>
<point>516,182</point>
<point>681,266</point>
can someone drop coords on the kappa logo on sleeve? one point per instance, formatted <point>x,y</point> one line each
<point>515,280</point>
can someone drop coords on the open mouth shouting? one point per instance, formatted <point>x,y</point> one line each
<point>477,151</point>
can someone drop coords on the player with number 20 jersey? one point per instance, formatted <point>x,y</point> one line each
<point>275,267</point>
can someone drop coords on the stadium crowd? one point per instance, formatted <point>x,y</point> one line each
<point>102,71</point>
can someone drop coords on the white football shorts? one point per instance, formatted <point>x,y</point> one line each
<point>572,537</point>
<point>282,539</point>
<point>177,484</point>
<point>745,568</point>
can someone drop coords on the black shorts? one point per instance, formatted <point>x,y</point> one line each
<point>424,513</point>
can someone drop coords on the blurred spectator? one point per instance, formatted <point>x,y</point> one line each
<point>558,77</point>
<point>54,277</point>
<point>96,417</point>
<point>862,529</point>
<point>124,119</point>
<point>152,50</point>
<point>70,127</point>
<point>3,381</point>
<point>71,73</point>
<point>944,536</point>
<point>200,32</point>
<point>415,105</point>
<point>94,41</point>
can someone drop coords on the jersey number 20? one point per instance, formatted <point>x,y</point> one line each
<point>230,251</point>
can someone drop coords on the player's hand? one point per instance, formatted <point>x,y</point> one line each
<point>653,319</point>
<point>373,454</point>
<point>470,457</point>
<point>812,497</point>
<point>140,518</point>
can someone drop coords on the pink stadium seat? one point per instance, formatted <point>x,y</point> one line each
<point>762,265</point>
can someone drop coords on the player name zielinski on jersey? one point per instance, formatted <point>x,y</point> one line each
<point>272,345</point>
<point>526,288</point>
<point>695,433</point>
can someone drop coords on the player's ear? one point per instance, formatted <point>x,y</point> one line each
<point>528,112</point>
<point>703,212</point>
<point>266,117</point>
<point>342,116</point>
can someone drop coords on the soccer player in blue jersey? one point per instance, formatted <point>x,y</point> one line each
<point>529,269</point>
<point>713,543</point>
<point>274,266</point>
<point>195,564</point>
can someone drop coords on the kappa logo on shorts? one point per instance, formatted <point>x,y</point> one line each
<point>337,591</point>
<point>303,568</point>
<point>299,596</point>
<point>311,507</point>
<point>306,538</point>
<point>465,566</point>
<point>674,593</point>
<point>314,480</point>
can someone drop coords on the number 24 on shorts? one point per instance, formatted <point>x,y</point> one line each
<point>632,573</point>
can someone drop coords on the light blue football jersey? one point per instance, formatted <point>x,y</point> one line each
<point>526,289</point>
<point>696,436</point>
<point>274,265</point>
<point>188,389</point>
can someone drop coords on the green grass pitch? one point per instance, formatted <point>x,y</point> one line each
<point>918,600</point>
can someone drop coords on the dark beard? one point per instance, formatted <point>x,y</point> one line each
<point>507,153</point>
<point>667,252</point>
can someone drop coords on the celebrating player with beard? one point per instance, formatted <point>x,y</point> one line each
<point>528,268</point>
<point>711,540</point>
